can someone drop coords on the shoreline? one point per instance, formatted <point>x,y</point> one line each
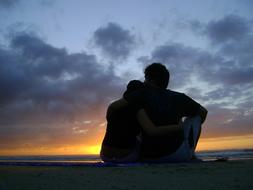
<point>103,164</point>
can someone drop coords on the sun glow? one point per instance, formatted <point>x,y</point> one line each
<point>92,149</point>
<point>66,150</point>
<point>223,143</point>
<point>219,143</point>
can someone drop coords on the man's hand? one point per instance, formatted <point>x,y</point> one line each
<point>152,130</point>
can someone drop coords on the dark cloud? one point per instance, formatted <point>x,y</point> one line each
<point>229,28</point>
<point>176,56</point>
<point>235,39</point>
<point>8,3</point>
<point>240,50</point>
<point>114,41</point>
<point>42,86</point>
<point>183,62</point>
<point>187,62</point>
<point>241,75</point>
<point>220,93</point>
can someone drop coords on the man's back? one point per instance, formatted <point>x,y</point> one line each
<point>168,107</point>
<point>163,107</point>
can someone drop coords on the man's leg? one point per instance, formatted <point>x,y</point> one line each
<point>192,130</point>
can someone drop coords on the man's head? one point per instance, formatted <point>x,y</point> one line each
<point>157,74</point>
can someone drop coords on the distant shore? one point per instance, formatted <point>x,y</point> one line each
<point>207,175</point>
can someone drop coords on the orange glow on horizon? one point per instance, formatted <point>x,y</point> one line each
<point>226,143</point>
<point>69,150</point>
<point>220,143</point>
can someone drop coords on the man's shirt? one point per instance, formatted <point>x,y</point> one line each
<point>163,107</point>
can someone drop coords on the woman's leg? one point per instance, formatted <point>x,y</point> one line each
<point>132,156</point>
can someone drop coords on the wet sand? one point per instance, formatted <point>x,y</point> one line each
<point>211,175</point>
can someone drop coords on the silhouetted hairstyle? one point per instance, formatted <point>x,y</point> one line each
<point>157,73</point>
<point>133,85</point>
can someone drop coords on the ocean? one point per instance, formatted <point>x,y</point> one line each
<point>244,154</point>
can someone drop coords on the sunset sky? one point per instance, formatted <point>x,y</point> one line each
<point>62,62</point>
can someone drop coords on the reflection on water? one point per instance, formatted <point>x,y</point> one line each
<point>230,154</point>
<point>82,159</point>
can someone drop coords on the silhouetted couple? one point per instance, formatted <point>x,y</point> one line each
<point>146,124</point>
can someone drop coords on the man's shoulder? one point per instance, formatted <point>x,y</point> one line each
<point>177,96</point>
<point>174,93</point>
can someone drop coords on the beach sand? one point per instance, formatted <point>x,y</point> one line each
<point>210,175</point>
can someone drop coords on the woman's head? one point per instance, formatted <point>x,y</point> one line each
<point>133,85</point>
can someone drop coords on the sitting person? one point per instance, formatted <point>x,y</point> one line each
<point>120,143</point>
<point>159,109</point>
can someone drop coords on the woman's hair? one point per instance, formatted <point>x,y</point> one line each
<point>133,85</point>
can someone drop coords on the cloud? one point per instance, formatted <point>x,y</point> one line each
<point>234,36</point>
<point>229,28</point>
<point>185,63</point>
<point>182,61</point>
<point>114,41</point>
<point>176,57</point>
<point>45,89</point>
<point>8,3</point>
